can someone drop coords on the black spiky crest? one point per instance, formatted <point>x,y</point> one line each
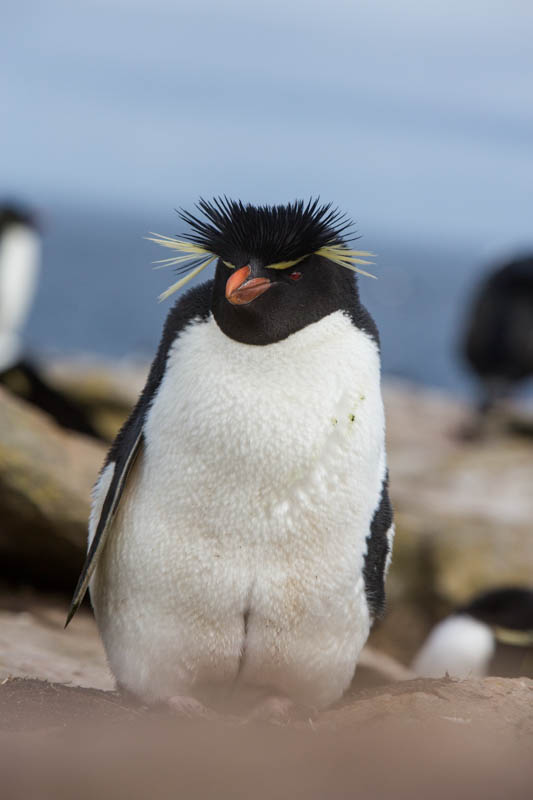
<point>277,233</point>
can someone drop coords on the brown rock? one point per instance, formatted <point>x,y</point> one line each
<point>496,704</point>
<point>106,392</point>
<point>34,644</point>
<point>46,476</point>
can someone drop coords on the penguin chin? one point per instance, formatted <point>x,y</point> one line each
<point>252,323</point>
<point>256,312</point>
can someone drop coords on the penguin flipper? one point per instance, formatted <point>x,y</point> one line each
<point>196,304</point>
<point>378,554</point>
<point>111,502</point>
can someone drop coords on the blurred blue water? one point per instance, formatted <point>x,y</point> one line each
<point>98,294</point>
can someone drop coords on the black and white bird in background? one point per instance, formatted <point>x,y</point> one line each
<point>20,265</point>
<point>20,258</point>
<point>491,635</point>
<point>497,342</point>
<point>241,528</point>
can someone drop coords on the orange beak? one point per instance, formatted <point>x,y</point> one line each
<point>240,290</point>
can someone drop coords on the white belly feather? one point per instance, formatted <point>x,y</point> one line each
<point>236,558</point>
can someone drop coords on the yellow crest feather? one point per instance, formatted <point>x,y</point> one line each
<point>513,637</point>
<point>347,258</point>
<point>186,279</point>
<point>192,252</point>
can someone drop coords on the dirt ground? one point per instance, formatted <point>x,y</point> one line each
<point>414,739</point>
<point>64,732</point>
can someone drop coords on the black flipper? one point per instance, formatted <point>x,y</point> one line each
<point>194,305</point>
<point>377,552</point>
<point>109,509</point>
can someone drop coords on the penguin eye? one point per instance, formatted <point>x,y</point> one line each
<point>295,276</point>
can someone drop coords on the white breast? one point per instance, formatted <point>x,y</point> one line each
<point>268,417</point>
<point>254,496</point>
<point>19,267</point>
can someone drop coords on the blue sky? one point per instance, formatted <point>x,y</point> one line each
<point>415,117</point>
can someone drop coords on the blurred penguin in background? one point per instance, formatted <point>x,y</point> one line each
<point>20,256</point>
<point>492,635</point>
<point>498,340</point>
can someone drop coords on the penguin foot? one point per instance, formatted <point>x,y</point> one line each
<point>190,708</point>
<point>280,711</point>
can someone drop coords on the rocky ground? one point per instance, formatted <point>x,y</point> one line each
<point>463,510</point>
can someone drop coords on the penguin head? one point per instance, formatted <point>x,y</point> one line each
<point>506,608</point>
<point>14,214</point>
<point>278,268</point>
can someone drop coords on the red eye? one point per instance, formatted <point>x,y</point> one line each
<point>295,276</point>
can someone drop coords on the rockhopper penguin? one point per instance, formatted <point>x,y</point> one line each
<point>241,528</point>
<point>491,635</point>
<point>20,249</point>
<point>498,338</point>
